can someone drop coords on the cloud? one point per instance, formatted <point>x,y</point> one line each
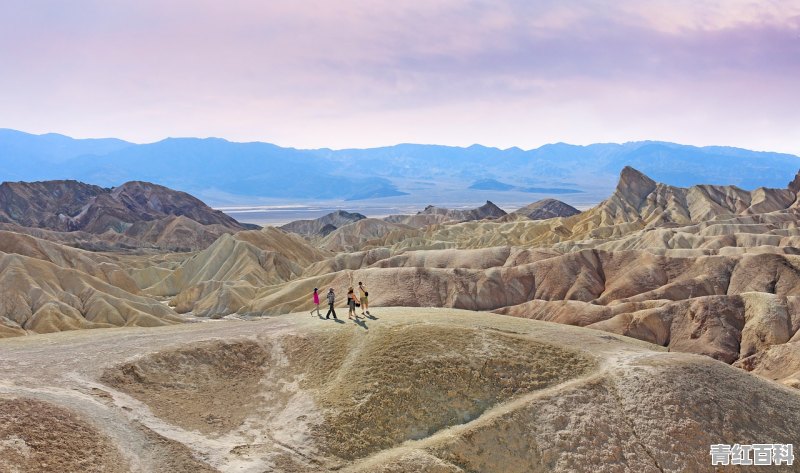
<point>372,69</point>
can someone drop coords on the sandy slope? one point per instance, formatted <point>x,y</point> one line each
<point>407,390</point>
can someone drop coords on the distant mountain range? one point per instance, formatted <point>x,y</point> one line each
<point>218,170</point>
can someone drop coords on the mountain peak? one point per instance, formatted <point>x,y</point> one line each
<point>634,183</point>
<point>354,216</point>
<point>143,213</point>
<point>547,208</point>
<point>492,208</point>
<point>794,186</point>
<point>324,225</point>
<point>630,175</point>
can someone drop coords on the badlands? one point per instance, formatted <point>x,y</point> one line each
<point>628,337</point>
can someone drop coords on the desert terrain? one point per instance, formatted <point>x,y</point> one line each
<point>439,390</point>
<point>142,331</point>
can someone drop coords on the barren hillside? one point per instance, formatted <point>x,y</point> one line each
<point>133,215</point>
<point>706,278</point>
<point>431,390</point>
<point>712,270</point>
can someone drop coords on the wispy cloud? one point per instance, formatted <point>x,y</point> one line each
<point>367,72</point>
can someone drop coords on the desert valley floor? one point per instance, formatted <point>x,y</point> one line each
<point>142,331</point>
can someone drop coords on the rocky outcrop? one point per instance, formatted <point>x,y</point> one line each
<point>637,205</point>
<point>433,215</point>
<point>46,204</point>
<point>136,202</point>
<point>486,211</point>
<point>147,214</point>
<point>639,198</point>
<point>72,205</point>
<point>324,225</point>
<point>547,208</point>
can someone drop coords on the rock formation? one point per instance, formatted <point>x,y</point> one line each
<point>41,297</point>
<point>486,211</point>
<point>133,214</point>
<point>547,208</point>
<point>44,204</point>
<point>432,215</point>
<point>324,225</point>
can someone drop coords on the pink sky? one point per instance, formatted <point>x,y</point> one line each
<point>359,73</point>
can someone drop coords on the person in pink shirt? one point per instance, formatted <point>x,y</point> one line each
<point>316,303</point>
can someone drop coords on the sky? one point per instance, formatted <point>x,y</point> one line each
<point>364,73</point>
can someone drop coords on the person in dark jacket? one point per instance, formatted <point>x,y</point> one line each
<point>331,300</point>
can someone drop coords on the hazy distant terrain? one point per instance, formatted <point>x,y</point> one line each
<point>227,173</point>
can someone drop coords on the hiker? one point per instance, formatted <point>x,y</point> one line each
<point>331,300</point>
<point>364,298</point>
<point>316,303</point>
<point>351,303</point>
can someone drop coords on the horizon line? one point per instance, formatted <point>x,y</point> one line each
<point>555,143</point>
